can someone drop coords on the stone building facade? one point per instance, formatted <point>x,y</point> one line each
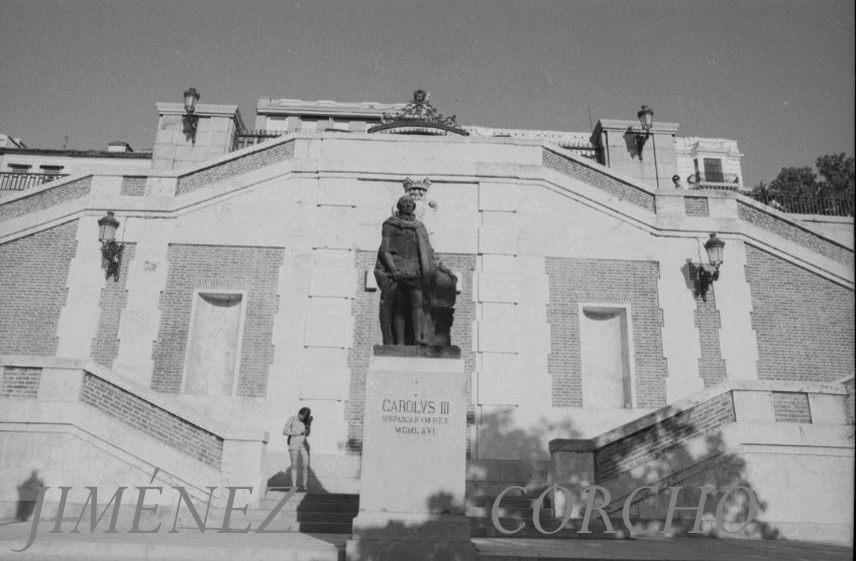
<point>245,293</point>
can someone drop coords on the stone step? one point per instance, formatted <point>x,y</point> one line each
<point>530,532</point>
<point>275,494</point>
<point>519,512</point>
<point>680,528</point>
<point>309,503</point>
<point>257,516</point>
<point>509,522</point>
<point>514,502</point>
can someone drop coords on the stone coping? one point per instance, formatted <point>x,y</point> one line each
<point>167,402</point>
<point>168,207</point>
<point>203,110</point>
<point>413,351</point>
<point>591,444</point>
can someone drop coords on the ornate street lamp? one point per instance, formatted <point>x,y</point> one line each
<point>111,250</point>
<point>708,273</point>
<point>646,121</point>
<point>191,97</point>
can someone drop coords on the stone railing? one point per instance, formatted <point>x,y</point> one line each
<point>824,206</point>
<point>50,391</point>
<point>657,447</point>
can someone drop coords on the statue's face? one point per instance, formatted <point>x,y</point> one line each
<point>417,194</point>
<point>406,205</point>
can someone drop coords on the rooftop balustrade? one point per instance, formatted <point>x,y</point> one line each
<point>16,181</point>
<point>717,181</point>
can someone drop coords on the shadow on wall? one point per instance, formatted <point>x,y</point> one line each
<point>28,492</point>
<point>685,456</point>
<point>524,451</point>
<point>703,462</point>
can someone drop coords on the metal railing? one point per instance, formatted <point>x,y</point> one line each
<point>250,138</point>
<point>16,181</point>
<point>796,205</point>
<point>720,181</point>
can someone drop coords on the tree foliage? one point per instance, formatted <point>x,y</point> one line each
<point>834,179</point>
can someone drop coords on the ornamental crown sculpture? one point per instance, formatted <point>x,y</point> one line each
<point>420,109</point>
<point>410,184</point>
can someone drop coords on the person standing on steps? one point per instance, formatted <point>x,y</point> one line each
<point>297,429</point>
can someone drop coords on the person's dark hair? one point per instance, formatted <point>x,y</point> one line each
<point>305,411</point>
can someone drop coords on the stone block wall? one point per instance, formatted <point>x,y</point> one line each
<point>803,322</point>
<point>209,268</point>
<point>33,277</point>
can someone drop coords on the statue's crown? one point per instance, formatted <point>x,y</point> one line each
<point>410,184</point>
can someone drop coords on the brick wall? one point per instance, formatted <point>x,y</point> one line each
<point>367,333</point>
<point>791,407</point>
<point>33,277</point>
<point>20,382</point>
<point>46,199</point>
<point>707,321</point>
<point>159,423</point>
<point>803,322</point>
<point>237,166</point>
<point>590,176</point>
<point>696,206</point>
<point>609,282</point>
<point>114,296</point>
<point>209,268</point>
<point>133,186</point>
<point>798,235</point>
<point>652,442</point>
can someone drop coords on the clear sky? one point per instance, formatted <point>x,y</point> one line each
<point>775,75</point>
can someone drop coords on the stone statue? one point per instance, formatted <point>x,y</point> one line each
<point>417,292</point>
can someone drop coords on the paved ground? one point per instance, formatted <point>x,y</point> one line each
<point>192,545</point>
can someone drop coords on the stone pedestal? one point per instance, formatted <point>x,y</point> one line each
<point>413,463</point>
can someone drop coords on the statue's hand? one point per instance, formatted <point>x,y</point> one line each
<point>396,275</point>
<point>443,269</point>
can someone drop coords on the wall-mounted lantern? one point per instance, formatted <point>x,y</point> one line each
<point>646,121</point>
<point>191,96</point>
<point>708,273</point>
<point>111,250</point>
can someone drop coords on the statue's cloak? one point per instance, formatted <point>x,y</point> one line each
<point>426,265</point>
